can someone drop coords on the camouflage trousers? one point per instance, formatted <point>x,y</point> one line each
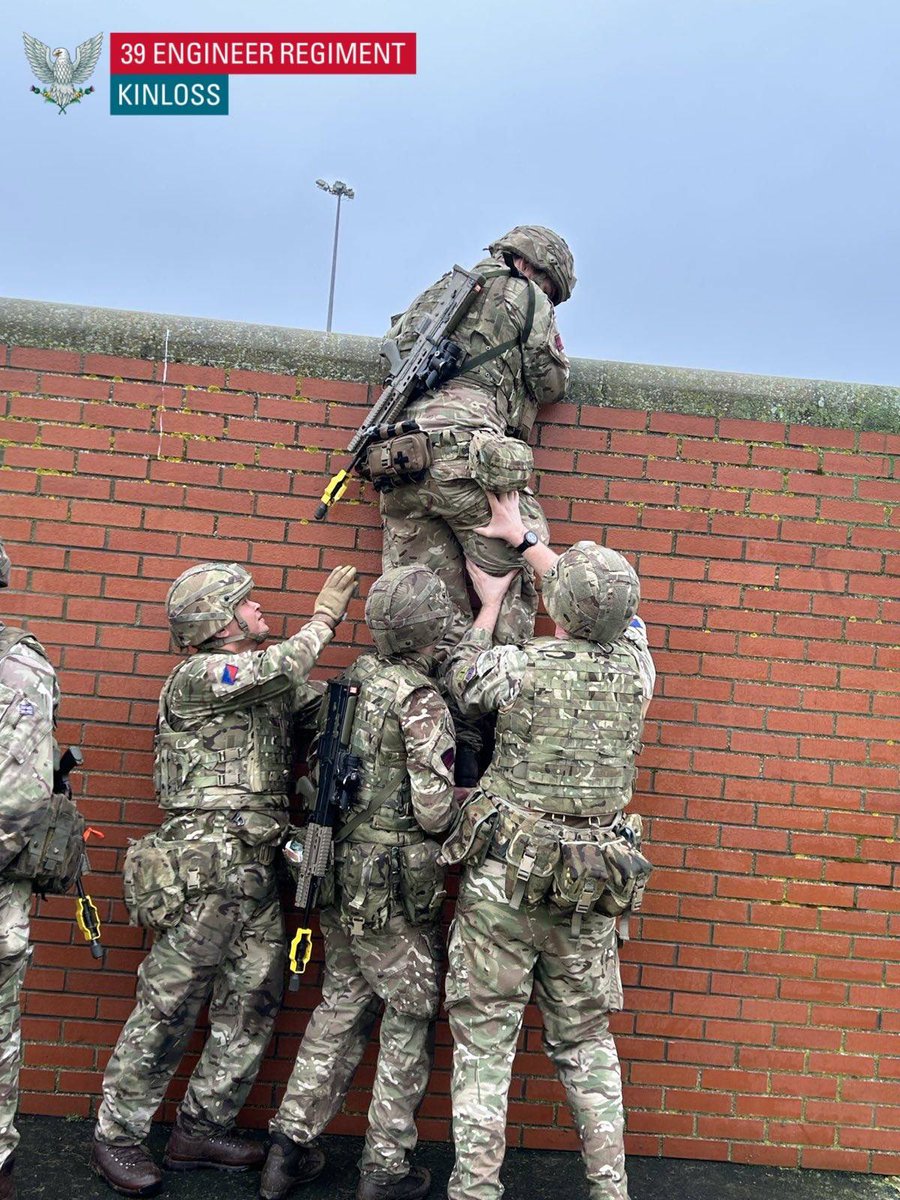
<point>496,954</point>
<point>15,903</point>
<point>397,967</point>
<point>227,950</point>
<point>431,523</point>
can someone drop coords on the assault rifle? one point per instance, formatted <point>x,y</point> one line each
<point>86,916</point>
<point>433,358</point>
<point>339,779</point>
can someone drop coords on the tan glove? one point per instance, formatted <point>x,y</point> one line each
<point>336,594</point>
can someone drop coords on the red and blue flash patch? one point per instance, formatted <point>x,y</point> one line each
<point>229,673</point>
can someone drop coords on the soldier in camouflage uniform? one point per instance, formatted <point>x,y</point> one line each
<point>205,882</point>
<point>550,858</point>
<point>28,700</point>
<point>380,917</point>
<point>478,425</point>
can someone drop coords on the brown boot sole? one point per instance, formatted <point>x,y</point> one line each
<point>150,1190</point>
<point>203,1164</point>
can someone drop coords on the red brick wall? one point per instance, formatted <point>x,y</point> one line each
<point>762,1014</point>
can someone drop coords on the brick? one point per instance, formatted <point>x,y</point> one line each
<point>679,472</point>
<point>17,381</point>
<point>261,381</point>
<point>40,458</point>
<point>777,505</point>
<point>127,368</point>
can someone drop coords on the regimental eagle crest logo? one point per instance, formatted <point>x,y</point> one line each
<point>61,76</point>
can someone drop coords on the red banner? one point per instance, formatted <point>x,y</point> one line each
<point>262,53</point>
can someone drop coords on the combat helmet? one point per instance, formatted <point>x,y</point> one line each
<point>545,250</point>
<point>407,608</point>
<point>202,600</point>
<point>592,592</point>
<point>5,567</point>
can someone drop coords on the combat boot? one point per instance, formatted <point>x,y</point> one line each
<point>413,1186</point>
<point>288,1163</point>
<point>222,1151</point>
<point>127,1169</point>
<point>7,1183</point>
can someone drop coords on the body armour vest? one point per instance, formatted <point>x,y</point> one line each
<point>226,758</point>
<point>9,718</point>
<point>384,795</point>
<point>569,741</point>
<point>14,637</point>
<point>486,327</point>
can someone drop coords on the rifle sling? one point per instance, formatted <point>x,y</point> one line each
<point>369,811</point>
<point>489,355</point>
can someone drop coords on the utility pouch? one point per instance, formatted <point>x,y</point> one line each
<point>258,828</point>
<point>580,876</point>
<point>53,859</point>
<point>628,871</point>
<point>421,881</point>
<point>201,865</point>
<point>365,878</point>
<point>531,860</point>
<point>398,460</point>
<point>499,464</point>
<point>153,890</point>
<point>470,839</point>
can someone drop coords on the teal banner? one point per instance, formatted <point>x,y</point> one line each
<point>168,95</point>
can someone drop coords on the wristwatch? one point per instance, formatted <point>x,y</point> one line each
<point>530,539</point>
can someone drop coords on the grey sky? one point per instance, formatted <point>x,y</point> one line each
<point>724,170</point>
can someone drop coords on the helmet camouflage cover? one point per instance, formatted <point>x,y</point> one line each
<point>592,592</point>
<point>545,250</point>
<point>406,609</point>
<point>202,600</point>
<point>5,567</point>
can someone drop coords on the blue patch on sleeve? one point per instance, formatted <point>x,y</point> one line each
<point>229,673</point>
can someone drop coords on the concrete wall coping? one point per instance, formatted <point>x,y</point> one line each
<point>207,342</point>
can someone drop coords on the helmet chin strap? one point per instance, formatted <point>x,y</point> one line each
<point>258,637</point>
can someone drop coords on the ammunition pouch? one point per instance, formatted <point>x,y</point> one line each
<point>398,460</point>
<point>154,893</point>
<point>367,880</point>
<point>422,891</point>
<point>628,870</point>
<point>162,876</point>
<point>531,858</point>
<point>499,464</point>
<point>577,868</point>
<point>470,839</point>
<point>374,881</point>
<point>259,836</point>
<point>54,857</point>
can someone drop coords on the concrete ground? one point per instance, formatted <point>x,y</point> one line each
<point>52,1164</point>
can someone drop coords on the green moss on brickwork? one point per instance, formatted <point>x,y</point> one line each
<point>204,342</point>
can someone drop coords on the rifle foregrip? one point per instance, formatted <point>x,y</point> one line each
<point>316,848</point>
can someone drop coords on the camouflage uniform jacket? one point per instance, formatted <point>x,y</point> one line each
<point>224,727</point>
<point>29,696</point>
<point>569,717</point>
<point>501,396</point>
<point>404,736</point>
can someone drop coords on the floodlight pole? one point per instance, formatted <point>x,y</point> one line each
<point>340,190</point>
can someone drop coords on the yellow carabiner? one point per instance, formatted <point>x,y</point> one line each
<point>337,485</point>
<point>301,949</point>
